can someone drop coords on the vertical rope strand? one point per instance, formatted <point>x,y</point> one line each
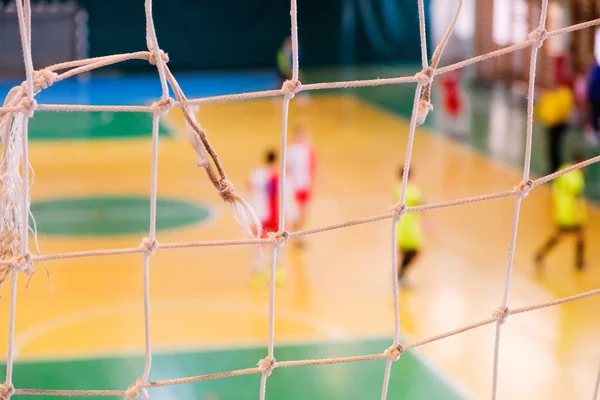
<point>154,176</point>
<point>543,14</point>
<point>152,244</point>
<point>395,289</point>
<point>511,253</point>
<point>395,293</point>
<point>24,17</point>
<point>25,189</point>
<point>394,277</point>
<point>596,393</point>
<point>526,171</point>
<point>423,34</point>
<point>271,343</point>
<point>282,166</point>
<point>282,202</point>
<point>11,328</point>
<point>295,54</point>
<point>152,43</point>
<point>148,345</point>
<point>530,108</point>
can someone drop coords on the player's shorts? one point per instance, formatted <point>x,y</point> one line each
<point>302,197</point>
<point>570,228</point>
<point>408,257</point>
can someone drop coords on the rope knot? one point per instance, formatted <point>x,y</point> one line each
<point>149,246</point>
<point>394,352</point>
<point>137,390</point>
<point>163,56</point>
<point>290,88</point>
<point>425,77</point>
<point>163,106</point>
<point>525,187</point>
<point>226,189</point>
<point>22,263</point>
<point>537,37</point>
<point>6,391</point>
<point>397,210</point>
<point>279,238</point>
<point>27,106</point>
<point>266,365</point>
<point>500,314</point>
<point>43,79</point>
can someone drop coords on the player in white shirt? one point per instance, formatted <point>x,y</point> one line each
<point>301,172</point>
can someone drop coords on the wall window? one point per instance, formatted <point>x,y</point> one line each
<point>557,18</point>
<point>510,22</point>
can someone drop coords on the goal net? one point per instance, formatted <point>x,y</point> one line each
<point>17,258</point>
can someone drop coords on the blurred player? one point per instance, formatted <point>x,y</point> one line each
<point>569,213</point>
<point>264,195</point>
<point>580,99</point>
<point>284,61</point>
<point>264,182</point>
<point>409,230</point>
<point>554,111</point>
<point>593,97</point>
<point>285,67</point>
<point>453,105</point>
<point>301,171</point>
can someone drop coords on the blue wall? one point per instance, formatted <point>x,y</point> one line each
<point>236,34</point>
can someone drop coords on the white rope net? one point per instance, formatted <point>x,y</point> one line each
<point>15,256</point>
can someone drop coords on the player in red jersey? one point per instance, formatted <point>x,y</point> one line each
<point>264,195</point>
<point>453,105</point>
<point>264,182</point>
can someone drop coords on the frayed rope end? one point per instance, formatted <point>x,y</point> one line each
<point>423,111</point>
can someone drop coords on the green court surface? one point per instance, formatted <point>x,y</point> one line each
<point>410,379</point>
<point>90,125</point>
<point>99,216</point>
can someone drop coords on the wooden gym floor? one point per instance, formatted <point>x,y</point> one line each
<point>83,328</point>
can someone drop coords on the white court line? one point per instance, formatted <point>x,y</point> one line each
<point>45,327</point>
<point>331,332</point>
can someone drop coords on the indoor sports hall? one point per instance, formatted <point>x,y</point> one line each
<point>133,134</point>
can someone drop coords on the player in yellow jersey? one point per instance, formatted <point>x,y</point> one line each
<point>569,213</point>
<point>409,230</point>
<point>554,111</point>
<point>284,61</point>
